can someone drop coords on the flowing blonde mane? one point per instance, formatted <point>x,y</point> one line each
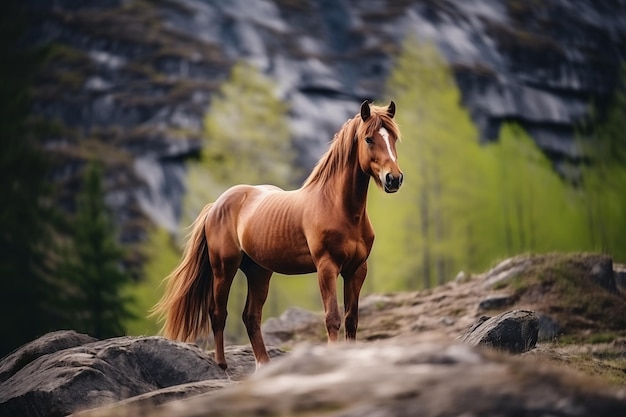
<point>338,155</point>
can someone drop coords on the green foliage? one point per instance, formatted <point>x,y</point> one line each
<point>463,204</point>
<point>92,266</point>
<point>247,140</point>
<point>444,179</point>
<point>537,210</point>
<point>162,254</point>
<point>247,132</point>
<point>604,179</point>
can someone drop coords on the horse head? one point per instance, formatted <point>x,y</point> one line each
<point>377,137</point>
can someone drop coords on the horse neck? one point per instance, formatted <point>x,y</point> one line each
<point>355,189</point>
<point>346,189</point>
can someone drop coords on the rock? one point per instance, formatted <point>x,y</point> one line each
<point>462,276</point>
<point>420,364</point>
<point>241,362</point>
<point>493,302</point>
<point>155,398</point>
<point>600,270</point>
<point>402,379</point>
<point>45,345</point>
<point>479,322</point>
<point>513,331</point>
<point>286,328</point>
<point>506,270</point>
<point>619,271</point>
<point>99,373</point>
<point>549,329</point>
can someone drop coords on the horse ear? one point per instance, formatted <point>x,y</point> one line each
<point>391,110</point>
<point>365,110</point>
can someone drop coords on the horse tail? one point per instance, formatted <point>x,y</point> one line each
<point>185,303</point>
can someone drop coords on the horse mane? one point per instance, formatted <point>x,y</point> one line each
<point>337,157</point>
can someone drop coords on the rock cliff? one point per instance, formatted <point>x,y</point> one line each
<point>131,80</point>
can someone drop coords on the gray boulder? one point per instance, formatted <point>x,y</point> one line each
<point>600,270</point>
<point>46,344</point>
<point>513,331</point>
<point>549,328</point>
<point>241,361</point>
<point>494,302</point>
<point>44,379</point>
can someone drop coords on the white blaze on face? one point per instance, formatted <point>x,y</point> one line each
<point>383,132</point>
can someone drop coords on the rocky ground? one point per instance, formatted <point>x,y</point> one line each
<point>415,355</point>
<point>579,300</point>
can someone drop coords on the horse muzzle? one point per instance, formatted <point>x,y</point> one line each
<point>392,182</point>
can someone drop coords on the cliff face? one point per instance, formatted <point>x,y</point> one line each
<point>131,80</point>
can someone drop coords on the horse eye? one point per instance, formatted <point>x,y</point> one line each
<point>369,140</point>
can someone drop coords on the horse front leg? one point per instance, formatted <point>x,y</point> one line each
<point>327,272</point>
<point>352,285</point>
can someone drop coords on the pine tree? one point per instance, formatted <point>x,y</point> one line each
<point>26,214</point>
<point>92,267</point>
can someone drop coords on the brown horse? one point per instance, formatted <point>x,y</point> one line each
<point>323,227</point>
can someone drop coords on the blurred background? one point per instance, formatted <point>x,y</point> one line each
<point>122,118</point>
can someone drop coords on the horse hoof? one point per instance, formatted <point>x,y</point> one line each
<point>260,365</point>
<point>223,365</point>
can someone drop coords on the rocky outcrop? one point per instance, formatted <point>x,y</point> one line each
<point>401,378</point>
<point>65,372</point>
<point>570,294</point>
<point>409,357</point>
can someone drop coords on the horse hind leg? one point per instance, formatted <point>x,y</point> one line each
<point>258,287</point>
<point>224,270</point>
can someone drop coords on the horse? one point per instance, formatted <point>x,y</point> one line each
<point>323,226</point>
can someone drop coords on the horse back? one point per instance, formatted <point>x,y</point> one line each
<point>265,223</point>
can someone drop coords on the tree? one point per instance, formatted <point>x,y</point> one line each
<point>246,140</point>
<point>93,265</point>
<point>26,214</point>
<point>431,233</point>
<point>604,177</point>
<point>463,204</point>
<point>162,255</point>
<point>247,132</point>
<point>536,211</point>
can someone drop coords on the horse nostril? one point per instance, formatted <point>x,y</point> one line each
<point>401,178</point>
<point>389,179</point>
